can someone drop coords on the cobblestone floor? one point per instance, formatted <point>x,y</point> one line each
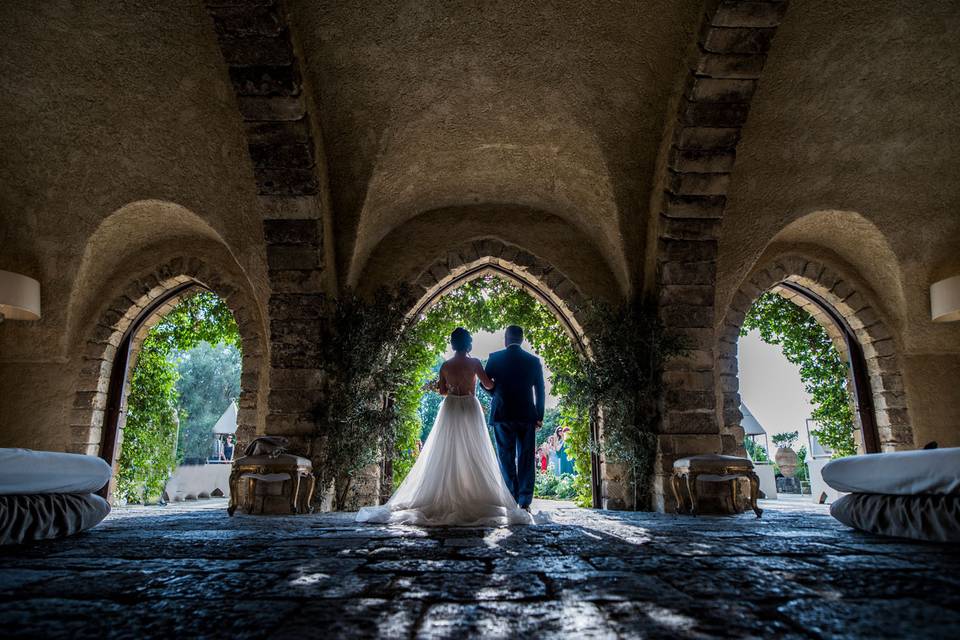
<point>193,572</point>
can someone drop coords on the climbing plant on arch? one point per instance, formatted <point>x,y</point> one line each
<point>489,303</point>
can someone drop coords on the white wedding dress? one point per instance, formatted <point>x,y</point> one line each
<point>456,479</point>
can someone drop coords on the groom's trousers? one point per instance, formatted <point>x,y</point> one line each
<point>516,442</point>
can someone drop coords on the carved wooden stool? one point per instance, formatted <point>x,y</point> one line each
<point>295,472</point>
<point>713,467</point>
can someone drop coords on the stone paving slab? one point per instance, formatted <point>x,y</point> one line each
<point>194,572</point>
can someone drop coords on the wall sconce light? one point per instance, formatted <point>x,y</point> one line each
<point>19,297</point>
<point>945,300</point>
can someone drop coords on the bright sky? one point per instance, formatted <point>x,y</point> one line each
<point>485,343</point>
<point>770,386</point>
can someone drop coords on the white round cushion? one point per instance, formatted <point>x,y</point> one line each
<point>28,472</point>
<point>903,473</point>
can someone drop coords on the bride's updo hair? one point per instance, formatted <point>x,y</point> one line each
<point>461,340</point>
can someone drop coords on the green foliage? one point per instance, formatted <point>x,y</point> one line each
<point>577,445</point>
<point>785,439</point>
<point>556,487</point>
<point>209,379</point>
<point>149,436</point>
<point>803,470</point>
<point>202,317</point>
<point>429,405</point>
<point>147,454</point>
<point>489,304</point>
<point>551,420</point>
<point>363,403</point>
<point>755,451</point>
<point>824,375</point>
<point>621,382</point>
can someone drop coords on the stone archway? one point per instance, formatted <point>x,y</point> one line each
<point>536,276</point>
<point>546,284</point>
<point>820,290</point>
<point>110,348</point>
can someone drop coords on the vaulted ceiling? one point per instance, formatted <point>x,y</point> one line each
<point>555,110</point>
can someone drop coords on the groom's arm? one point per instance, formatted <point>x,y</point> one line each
<point>490,370</point>
<point>540,391</point>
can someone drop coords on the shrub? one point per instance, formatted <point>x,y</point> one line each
<point>552,486</point>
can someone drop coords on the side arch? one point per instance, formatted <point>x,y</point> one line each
<point>857,326</point>
<point>110,347</point>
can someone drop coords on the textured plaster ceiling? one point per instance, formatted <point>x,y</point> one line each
<point>557,107</point>
<point>856,112</point>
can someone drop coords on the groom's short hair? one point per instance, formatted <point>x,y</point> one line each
<point>514,334</point>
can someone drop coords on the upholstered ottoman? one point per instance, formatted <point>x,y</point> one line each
<point>48,494</point>
<point>294,475</point>
<point>905,494</point>
<point>715,467</point>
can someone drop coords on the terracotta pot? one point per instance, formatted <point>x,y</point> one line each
<point>787,461</point>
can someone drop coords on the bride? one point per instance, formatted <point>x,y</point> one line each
<point>456,479</point>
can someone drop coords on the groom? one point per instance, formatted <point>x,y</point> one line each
<point>514,414</point>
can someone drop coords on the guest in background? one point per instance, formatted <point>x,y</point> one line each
<point>228,449</point>
<point>217,449</point>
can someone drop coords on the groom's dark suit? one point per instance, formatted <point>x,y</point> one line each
<point>517,406</point>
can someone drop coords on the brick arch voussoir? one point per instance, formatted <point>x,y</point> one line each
<point>535,275</point>
<point>869,327</point>
<point>100,348</point>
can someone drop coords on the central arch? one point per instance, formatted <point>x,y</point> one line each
<point>538,278</point>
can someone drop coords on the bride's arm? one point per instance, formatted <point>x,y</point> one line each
<point>484,378</point>
<point>442,386</point>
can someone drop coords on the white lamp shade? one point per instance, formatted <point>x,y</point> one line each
<point>945,300</point>
<point>19,297</point>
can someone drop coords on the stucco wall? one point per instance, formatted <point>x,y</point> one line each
<point>417,244</point>
<point>851,124</point>
<point>107,104</point>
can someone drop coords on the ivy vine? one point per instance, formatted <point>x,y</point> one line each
<point>360,408</point>
<point>621,382</point>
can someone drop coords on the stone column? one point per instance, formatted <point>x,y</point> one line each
<point>724,72</point>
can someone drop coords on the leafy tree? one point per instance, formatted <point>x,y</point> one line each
<point>202,317</point>
<point>823,373</point>
<point>429,403</point>
<point>427,412</point>
<point>209,379</point>
<point>803,469</point>
<point>147,455</point>
<point>551,420</point>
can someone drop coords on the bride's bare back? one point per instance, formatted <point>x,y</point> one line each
<point>459,374</point>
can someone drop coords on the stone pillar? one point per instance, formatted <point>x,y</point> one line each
<point>287,160</point>
<point>724,72</point>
